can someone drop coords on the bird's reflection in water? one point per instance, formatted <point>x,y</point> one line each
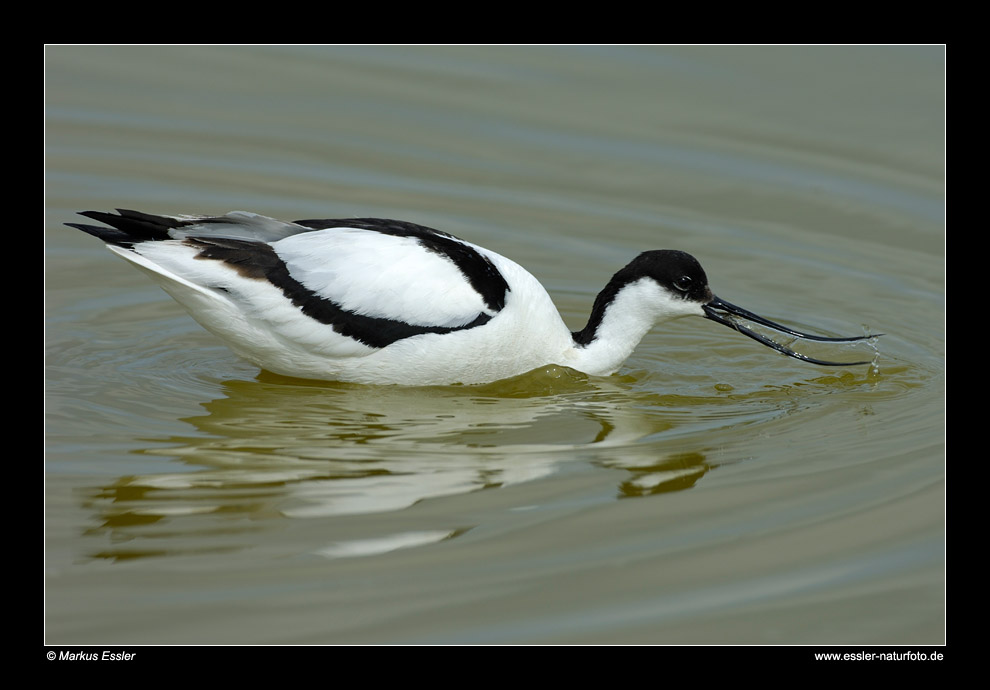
<point>276,448</point>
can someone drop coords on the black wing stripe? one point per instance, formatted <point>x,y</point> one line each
<point>259,261</point>
<point>479,271</point>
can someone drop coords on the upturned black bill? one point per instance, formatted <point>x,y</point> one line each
<point>723,312</point>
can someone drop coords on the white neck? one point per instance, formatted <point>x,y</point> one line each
<point>618,324</point>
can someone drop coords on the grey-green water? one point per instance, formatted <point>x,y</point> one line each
<point>712,492</point>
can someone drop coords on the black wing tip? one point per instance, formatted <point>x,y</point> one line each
<point>127,227</point>
<point>108,235</point>
<point>123,215</point>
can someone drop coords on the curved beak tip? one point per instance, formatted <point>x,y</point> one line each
<point>730,315</point>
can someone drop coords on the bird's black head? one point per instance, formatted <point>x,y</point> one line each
<point>678,272</point>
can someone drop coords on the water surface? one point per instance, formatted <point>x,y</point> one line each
<point>712,492</point>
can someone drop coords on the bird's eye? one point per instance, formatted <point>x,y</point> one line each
<point>683,283</point>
